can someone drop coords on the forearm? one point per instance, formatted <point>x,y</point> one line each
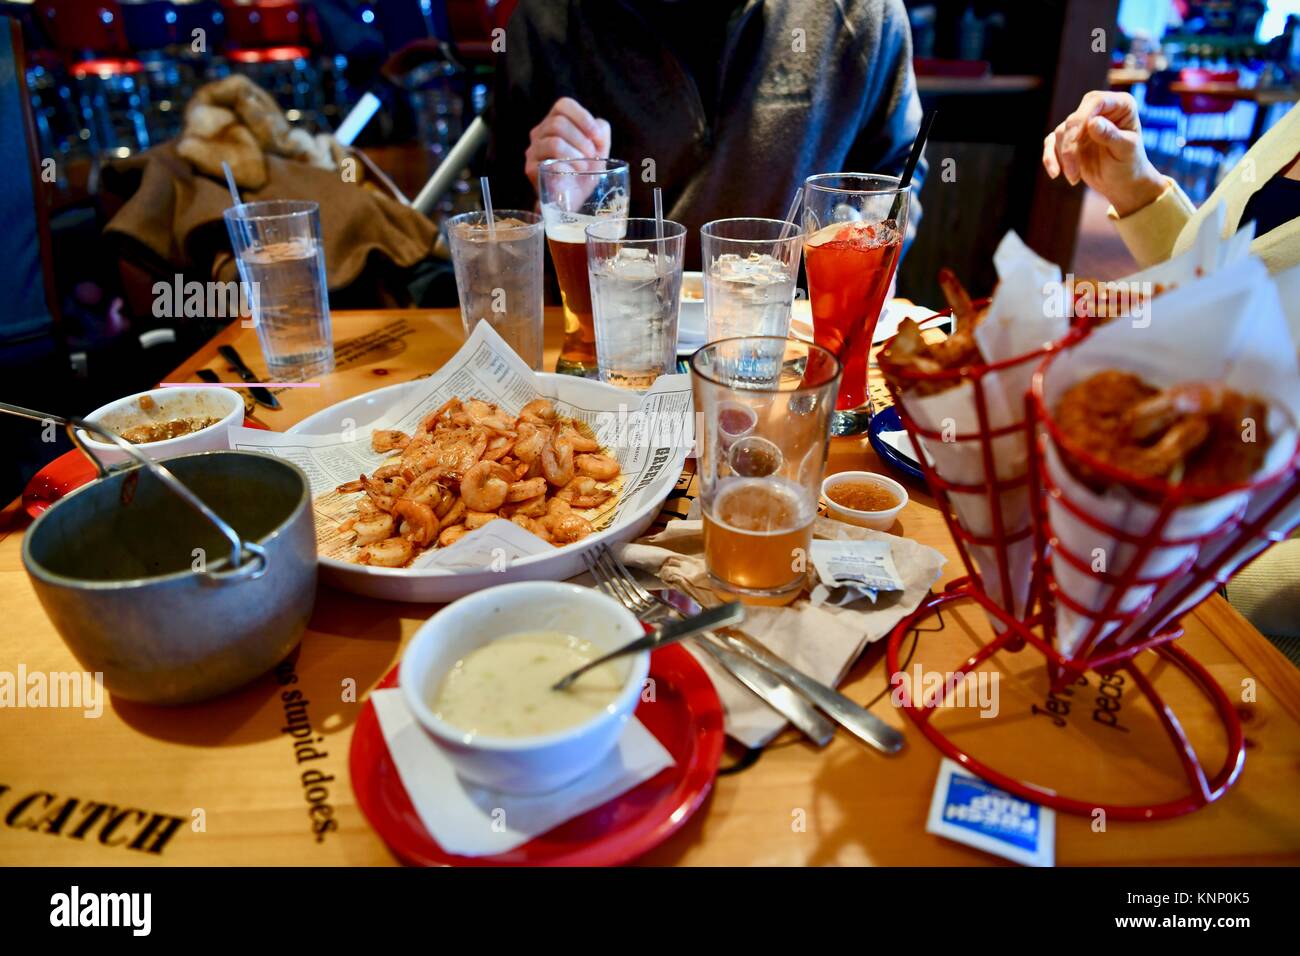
<point>1150,231</point>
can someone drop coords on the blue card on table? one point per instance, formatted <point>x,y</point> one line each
<point>973,811</point>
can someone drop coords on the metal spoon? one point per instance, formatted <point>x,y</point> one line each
<point>669,633</point>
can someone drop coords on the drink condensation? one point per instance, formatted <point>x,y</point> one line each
<point>748,295</point>
<point>635,299</point>
<point>290,302</point>
<point>499,280</point>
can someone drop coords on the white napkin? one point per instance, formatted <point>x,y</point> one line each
<point>469,820</point>
<point>823,642</point>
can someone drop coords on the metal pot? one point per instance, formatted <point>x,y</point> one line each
<point>179,594</point>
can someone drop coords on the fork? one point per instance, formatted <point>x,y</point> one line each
<point>616,581</point>
<point>850,715</point>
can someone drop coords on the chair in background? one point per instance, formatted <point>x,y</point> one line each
<point>108,80</point>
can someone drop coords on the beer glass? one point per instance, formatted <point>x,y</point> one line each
<point>499,276</point>
<point>575,193</point>
<point>750,267</point>
<point>853,234</point>
<point>764,407</point>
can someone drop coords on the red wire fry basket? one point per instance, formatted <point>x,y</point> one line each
<point>1156,572</point>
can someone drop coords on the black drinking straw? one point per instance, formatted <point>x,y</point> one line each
<point>913,158</point>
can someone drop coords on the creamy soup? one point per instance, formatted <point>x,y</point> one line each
<point>503,689</point>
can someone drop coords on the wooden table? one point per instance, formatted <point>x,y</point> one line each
<point>221,780</point>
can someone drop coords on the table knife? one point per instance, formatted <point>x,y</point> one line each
<point>260,394</point>
<point>850,715</point>
<point>783,699</point>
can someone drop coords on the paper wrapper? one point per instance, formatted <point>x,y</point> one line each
<point>645,432</point>
<point>1018,322</point>
<point>1225,327</point>
<point>821,641</point>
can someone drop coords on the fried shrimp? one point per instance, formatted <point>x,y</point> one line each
<point>1190,433</point>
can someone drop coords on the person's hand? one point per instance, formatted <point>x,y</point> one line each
<point>568,131</point>
<point>1100,143</point>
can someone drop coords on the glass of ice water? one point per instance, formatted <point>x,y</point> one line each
<point>750,267</point>
<point>499,276</point>
<point>281,262</point>
<point>635,268</point>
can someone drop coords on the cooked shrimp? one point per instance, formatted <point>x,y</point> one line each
<point>390,470</point>
<point>1153,415</point>
<point>530,442</point>
<point>382,440</point>
<point>485,486</point>
<point>352,487</point>
<point>451,535</point>
<point>533,525</point>
<point>384,491</point>
<point>389,553</point>
<point>529,508</point>
<point>420,523</point>
<point>600,467</point>
<point>540,411</point>
<point>498,448</point>
<point>425,489</point>
<point>557,461</point>
<point>455,515</point>
<point>523,490</point>
<point>477,519</point>
<point>371,528</point>
<point>430,421</point>
<point>567,528</point>
<point>583,492</point>
<point>577,439</point>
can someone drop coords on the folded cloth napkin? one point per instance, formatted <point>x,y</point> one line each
<point>823,642</point>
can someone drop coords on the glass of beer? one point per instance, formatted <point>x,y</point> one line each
<point>764,407</point>
<point>576,193</point>
<point>853,235</point>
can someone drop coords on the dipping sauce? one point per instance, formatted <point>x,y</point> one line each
<point>503,689</point>
<point>161,431</point>
<point>862,496</point>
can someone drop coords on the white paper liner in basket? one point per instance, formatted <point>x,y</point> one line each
<point>1020,320</point>
<point>1226,327</point>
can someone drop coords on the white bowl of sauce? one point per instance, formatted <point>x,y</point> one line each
<point>166,422</point>
<point>477,676</point>
<point>864,498</point>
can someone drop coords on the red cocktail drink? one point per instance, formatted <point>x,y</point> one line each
<point>850,266</point>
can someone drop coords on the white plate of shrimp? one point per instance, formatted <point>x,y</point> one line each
<point>549,478</point>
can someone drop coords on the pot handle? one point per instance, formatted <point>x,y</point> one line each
<point>239,569</point>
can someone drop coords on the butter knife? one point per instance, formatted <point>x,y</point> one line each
<point>260,394</point>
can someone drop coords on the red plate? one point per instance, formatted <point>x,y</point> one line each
<point>65,475</point>
<point>686,717</point>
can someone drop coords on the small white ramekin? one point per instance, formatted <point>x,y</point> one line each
<point>223,404</point>
<point>876,520</point>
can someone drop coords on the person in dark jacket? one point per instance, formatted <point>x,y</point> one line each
<point>728,105</point>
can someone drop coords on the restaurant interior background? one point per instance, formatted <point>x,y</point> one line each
<point>91,84</point>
